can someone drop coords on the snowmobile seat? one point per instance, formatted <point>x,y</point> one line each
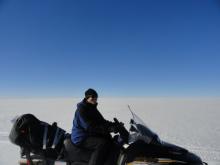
<point>75,153</point>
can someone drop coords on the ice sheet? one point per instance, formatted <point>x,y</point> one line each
<point>189,122</point>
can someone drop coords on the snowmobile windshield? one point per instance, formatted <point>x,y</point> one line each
<point>137,120</point>
<point>139,130</point>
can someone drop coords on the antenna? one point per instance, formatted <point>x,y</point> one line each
<point>129,107</point>
<point>131,111</point>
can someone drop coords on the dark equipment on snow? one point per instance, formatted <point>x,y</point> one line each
<point>37,137</point>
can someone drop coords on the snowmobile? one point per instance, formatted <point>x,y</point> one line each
<point>45,144</point>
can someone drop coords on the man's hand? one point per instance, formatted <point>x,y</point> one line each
<point>114,128</point>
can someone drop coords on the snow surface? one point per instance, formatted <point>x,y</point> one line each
<point>193,123</point>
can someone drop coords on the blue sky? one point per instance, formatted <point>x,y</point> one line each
<point>121,48</point>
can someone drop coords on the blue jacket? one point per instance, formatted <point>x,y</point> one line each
<point>88,121</point>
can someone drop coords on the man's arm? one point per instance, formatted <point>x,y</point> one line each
<point>91,126</point>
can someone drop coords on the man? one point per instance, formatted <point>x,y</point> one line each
<point>90,130</point>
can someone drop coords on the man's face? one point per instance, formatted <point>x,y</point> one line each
<point>92,100</point>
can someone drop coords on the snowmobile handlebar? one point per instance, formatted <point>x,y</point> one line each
<point>116,121</point>
<point>122,130</point>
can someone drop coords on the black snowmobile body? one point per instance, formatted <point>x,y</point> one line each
<point>139,145</point>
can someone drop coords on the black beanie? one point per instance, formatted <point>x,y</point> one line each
<point>90,93</point>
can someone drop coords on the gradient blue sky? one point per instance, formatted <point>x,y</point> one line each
<point>121,48</point>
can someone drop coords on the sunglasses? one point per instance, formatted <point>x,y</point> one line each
<point>93,97</point>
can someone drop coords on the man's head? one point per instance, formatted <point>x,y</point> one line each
<point>91,96</point>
